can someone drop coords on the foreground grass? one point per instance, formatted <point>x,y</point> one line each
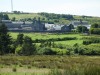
<point>49,65</point>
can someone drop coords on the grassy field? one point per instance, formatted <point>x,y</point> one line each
<point>45,35</point>
<point>91,20</point>
<point>50,36</point>
<point>49,65</point>
<point>23,16</point>
<point>71,42</point>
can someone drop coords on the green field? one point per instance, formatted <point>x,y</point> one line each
<point>20,16</point>
<point>45,35</point>
<point>71,42</point>
<point>23,16</point>
<point>50,36</point>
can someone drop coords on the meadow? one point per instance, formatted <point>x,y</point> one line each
<point>49,65</point>
<point>24,16</point>
<point>35,36</point>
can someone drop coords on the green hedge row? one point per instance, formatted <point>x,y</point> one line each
<point>54,39</point>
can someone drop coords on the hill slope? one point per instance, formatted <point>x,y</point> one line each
<point>53,18</point>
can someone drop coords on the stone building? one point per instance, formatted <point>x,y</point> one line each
<point>65,28</point>
<point>36,25</point>
<point>80,23</point>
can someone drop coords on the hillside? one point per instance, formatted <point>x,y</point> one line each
<point>53,18</point>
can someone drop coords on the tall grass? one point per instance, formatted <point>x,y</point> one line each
<point>56,65</point>
<point>79,70</point>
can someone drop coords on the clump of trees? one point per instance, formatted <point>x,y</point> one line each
<point>52,18</point>
<point>82,29</point>
<point>25,45</point>
<point>22,45</point>
<point>95,29</point>
<point>92,49</point>
<point>4,16</point>
<point>56,16</point>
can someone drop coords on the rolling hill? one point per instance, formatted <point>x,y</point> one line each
<point>53,18</point>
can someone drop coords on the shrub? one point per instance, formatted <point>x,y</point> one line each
<point>46,51</point>
<point>29,67</point>
<point>95,31</point>
<point>18,49</point>
<point>92,49</point>
<point>14,69</point>
<point>90,40</point>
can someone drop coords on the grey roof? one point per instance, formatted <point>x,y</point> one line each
<point>7,21</point>
<point>19,22</point>
<point>83,23</point>
<point>79,23</point>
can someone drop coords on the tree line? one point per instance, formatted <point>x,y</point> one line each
<point>4,16</point>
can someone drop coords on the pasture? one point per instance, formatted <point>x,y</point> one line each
<point>35,36</point>
<point>24,16</point>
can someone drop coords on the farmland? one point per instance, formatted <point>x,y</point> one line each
<point>50,36</point>
<point>53,17</point>
<point>64,62</point>
<point>23,16</point>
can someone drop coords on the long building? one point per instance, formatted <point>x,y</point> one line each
<point>38,26</point>
<point>24,26</point>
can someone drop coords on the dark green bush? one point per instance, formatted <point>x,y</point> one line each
<point>54,39</point>
<point>90,40</point>
<point>14,69</point>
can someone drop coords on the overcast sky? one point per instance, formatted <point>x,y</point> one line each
<point>74,7</point>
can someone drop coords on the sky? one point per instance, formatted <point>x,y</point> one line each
<point>73,7</point>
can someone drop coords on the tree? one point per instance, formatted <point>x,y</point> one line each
<point>28,48</point>
<point>5,40</point>
<point>81,29</point>
<point>6,17</point>
<point>13,19</point>
<point>20,38</point>
<point>95,25</point>
<point>46,51</point>
<point>76,48</point>
<point>71,26</point>
<point>95,29</point>
<point>1,15</point>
